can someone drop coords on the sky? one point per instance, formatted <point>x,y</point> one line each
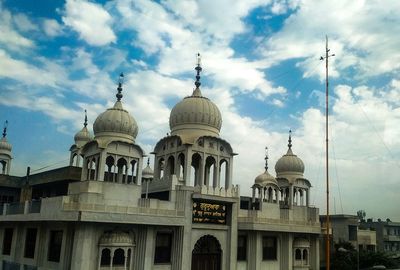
<point>261,67</point>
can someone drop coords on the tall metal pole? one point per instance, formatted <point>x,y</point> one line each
<point>327,158</point>
<point>327,241</point>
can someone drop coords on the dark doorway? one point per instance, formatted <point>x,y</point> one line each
<point>206,254</point>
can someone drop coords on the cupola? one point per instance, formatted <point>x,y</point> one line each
<point>195,115</point>
<point>289,163</point>
<point>116,123</point>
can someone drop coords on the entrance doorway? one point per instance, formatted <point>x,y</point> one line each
<point>206,254</point>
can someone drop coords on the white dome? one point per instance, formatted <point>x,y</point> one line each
<point>116,122</point>
<point>265,178</point>
<point>195,116</point>
<point>82,137</point>
<point>289,163</point>
<point>147,172</point>
<point>4,145</point>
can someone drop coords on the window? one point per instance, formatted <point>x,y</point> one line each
<point>269,248</point>
<point>7,240</point>
<point>163,248</point>
<point>242,248</point>
<point>30,243</point>
<point>55,244</point>
<point>352,233</point>
<point>297,255</point>
<point>105,257</point>
<point>305,256</point>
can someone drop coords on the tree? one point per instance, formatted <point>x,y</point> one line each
<point>361,215</point>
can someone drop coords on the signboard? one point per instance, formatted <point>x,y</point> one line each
<point>206,212</point>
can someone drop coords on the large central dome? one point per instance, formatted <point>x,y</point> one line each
<point>195,115</point>
<point>116,122</point>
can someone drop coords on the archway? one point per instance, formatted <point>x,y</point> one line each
<point>207,254</point>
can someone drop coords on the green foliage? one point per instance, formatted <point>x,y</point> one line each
<point>345,255</point>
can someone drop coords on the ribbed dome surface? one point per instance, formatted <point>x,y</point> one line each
<point>265,178</point>
<point>195,112</point>
<point>147,172</point>
<point>4,145</point>
<point>82,136</point>
<point>117,238</point>
<point>289,163</point>
<point>116,122</point>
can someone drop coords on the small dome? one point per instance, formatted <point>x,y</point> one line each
<point>116,122</point>
<point>265,178</point>
<point>4,145</point>
<point>116,238</point>
<point>195,115</point>
<point>82,137</point>
<point>289,163</point>
<point>147,172</point>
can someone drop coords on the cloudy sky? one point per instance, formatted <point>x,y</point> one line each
<point>260,66</point>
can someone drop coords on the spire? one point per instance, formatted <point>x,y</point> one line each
<point>119,89</point>
<point>198,69</point>
<point>266,159</point>
<point>85,123</point>
<point>5,129</point>
<point>290,139</point>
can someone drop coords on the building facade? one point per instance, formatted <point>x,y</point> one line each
<point>387,234</point>
<point>106,210</point>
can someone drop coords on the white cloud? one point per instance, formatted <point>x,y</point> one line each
<point>22,71</point>
<point>52,28</point>
<point>9,37</point>
<point>361,35</point>
<point>90,20</point>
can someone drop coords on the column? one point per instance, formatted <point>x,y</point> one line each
<point>201,170</point>
<point>139,167</point>
<point>216,174</point>
<point>187,167</point>
<point>207,175</point>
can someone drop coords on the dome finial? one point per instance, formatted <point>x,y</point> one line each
<point>290,139</point>
<point>198,69</point>
<point>5,129</point>
<point>85,123</point>
<point>119,89</point>
<point>266,158</point>
<point>148,161</point>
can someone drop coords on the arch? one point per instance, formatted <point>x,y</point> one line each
<point>161,164</point>
<point>181,166</point>
<point>122,170</point>
<point>170,170</point>
<point>297,255</point>
<point>305,256</point>
<point>3,166</point>
<point>207,254</point>
<point>119,257</point>
<point>224,172</point>
<point>108,175</point>
<point>209,172</point>
<point>195,169</point>
<point>132,176</point>
<point>105,257</point>
<point>74,160</point>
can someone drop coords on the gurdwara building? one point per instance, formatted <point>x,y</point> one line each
<point>109,210</point>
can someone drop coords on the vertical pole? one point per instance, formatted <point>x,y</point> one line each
<point>327,161</point>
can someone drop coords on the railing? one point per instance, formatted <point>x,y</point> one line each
<point>275,221</point>
<point>15,208</point>
<point>34,206</point>
<point>74,206</point>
